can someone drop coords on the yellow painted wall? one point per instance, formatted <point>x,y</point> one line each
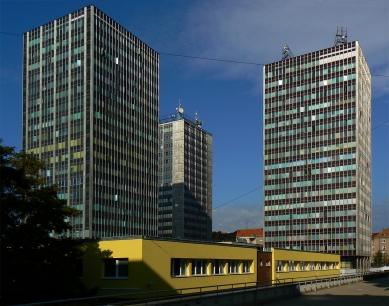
<point>308,257</point>
<point>150,262</point>
<point>94,254</point>
<point>171,249</point>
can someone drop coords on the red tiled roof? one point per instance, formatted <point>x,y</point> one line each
<point>384,233</point>
<point>249,232</point>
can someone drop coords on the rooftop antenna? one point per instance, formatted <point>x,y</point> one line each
<point>179,110</point>
<point>341,36</point>
<point>286,53</point>
<point>198,122</point>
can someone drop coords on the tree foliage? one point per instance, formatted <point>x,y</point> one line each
<point>35,266</point>
<point>379,259</point>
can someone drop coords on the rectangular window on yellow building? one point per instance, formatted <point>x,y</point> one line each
<point>246,266</point>
<point>115,268</point>
<point>217,266</point>
<point>233,266</point>
<point>178,267</point>
<point>199,266</point>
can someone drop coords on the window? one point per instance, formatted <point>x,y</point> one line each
<point>279,266</point>
<point>199,266</point>
<point>217,267</point>
<point>328,266</point>
<point>313,266</point>
<point>291,266</point>
<point>246,265</point>
<point>233,266</point>
<point>268,263</point>
<point>321,266</point>
<point>178,267</point>
<point>116,267</point>
<point>303,266</point>
<point>261,263</point>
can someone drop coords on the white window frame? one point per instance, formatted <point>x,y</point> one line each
<point>303,266</point>
<point>279,266</point>
<point>182,269</point>
<point>199,266</point>
<point>291,266</point>
<point>313,266</point>
<point>217,267</point>
<point>233,267</point>
<point>246,266</point>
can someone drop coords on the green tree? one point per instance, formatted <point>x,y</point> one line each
<point>378,259</point>
<point>34,265</point>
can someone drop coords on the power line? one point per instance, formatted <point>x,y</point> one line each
<point>238,197</point>
<point>237,62</point>
<point>208,58</point>
<point>212,59</point>
<point>11,34</point>
<point>380,125</point>
<point>262,185</point>
<point>381,75</point>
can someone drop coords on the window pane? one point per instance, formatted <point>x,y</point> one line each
<point>216,266</point>
<point>198,266</point>
<point>122,267</point>
<point>204,267</point>
<point>110,268</point>
<point>175,266</point>
<point>183,267</point>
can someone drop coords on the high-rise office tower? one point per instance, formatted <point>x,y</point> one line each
<point>91,111</point>
<point>185,178</point>
<point>317,153</point>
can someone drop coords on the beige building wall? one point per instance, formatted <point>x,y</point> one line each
<point>380,242</point>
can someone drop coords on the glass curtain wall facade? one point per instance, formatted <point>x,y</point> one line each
<point>317,153</point>
<point>185,179</point>
<point>91,111</point>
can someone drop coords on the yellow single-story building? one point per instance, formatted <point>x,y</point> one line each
<point>148,264</point>
<point>291,265</point>
<point>145,264</point>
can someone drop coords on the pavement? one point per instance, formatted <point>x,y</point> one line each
<point>374,292</point>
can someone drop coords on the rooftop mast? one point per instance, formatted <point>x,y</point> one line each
<point>341,36</point>
<point>179,110</point>
<point>286,53</point>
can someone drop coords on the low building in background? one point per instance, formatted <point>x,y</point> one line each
<point>380,242</point>
<point>252,235</point>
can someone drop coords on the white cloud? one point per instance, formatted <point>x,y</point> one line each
<point>233,217</point>
<point>256,31</point>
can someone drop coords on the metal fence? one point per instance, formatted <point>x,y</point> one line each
<point>175,296</point>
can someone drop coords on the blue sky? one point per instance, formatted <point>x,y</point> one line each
<point>227,96</point>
